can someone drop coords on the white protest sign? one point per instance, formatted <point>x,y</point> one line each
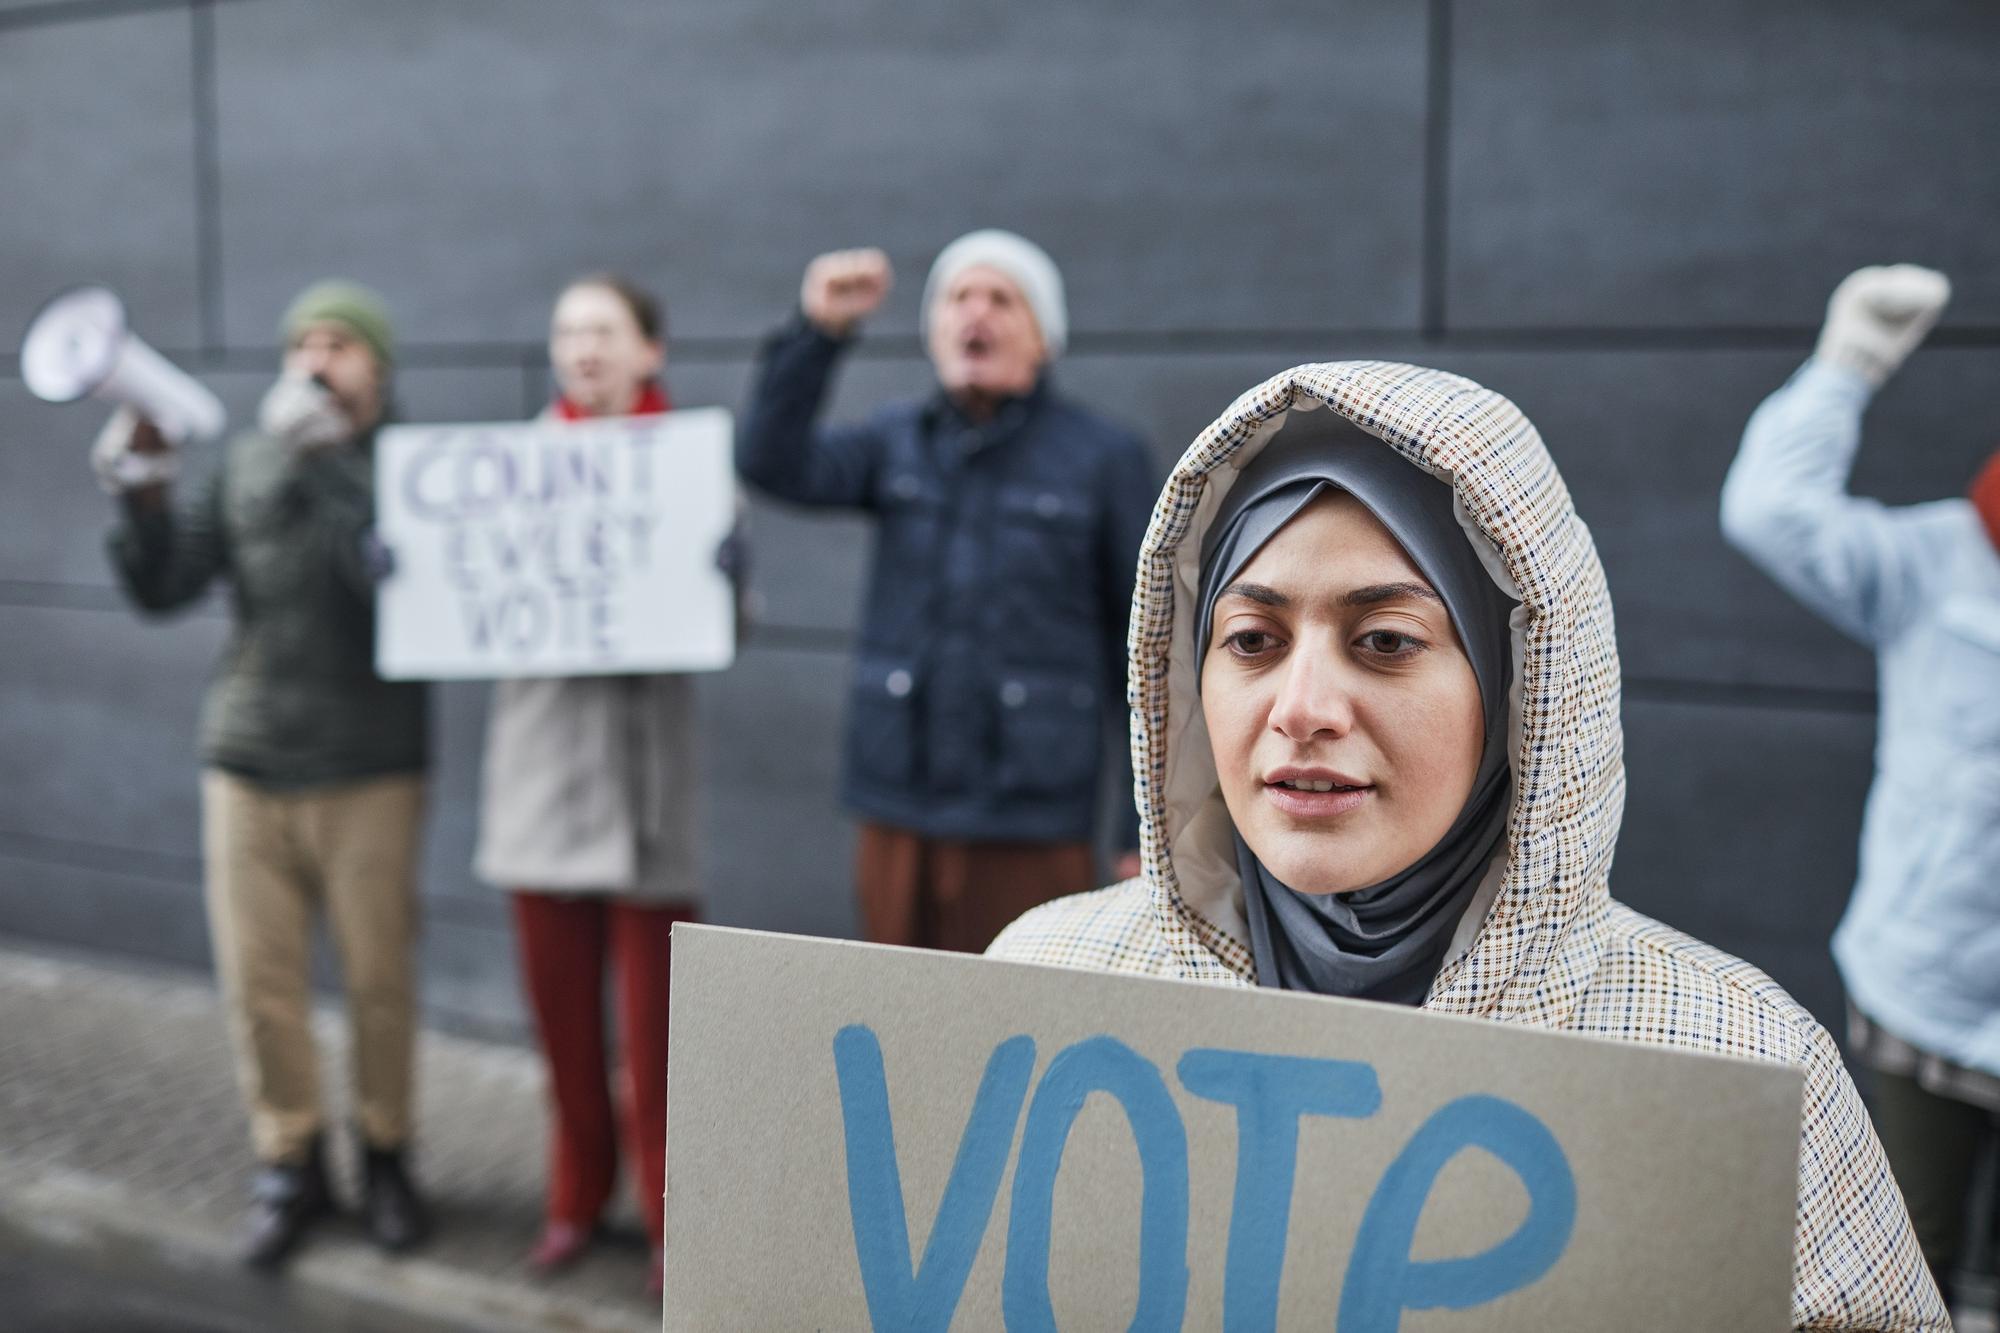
<point>865,1137</point>
<point>551,548</point>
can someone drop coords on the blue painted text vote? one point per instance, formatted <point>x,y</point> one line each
<point>1270,1095</point>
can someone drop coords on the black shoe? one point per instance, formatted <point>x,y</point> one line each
<point>391,1208</point>
<point>286,1199</point>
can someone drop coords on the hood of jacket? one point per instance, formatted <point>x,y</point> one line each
<point>1532,954</point>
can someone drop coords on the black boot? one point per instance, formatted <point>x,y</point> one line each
<point>391,1208</point>
<point>286,1199</point>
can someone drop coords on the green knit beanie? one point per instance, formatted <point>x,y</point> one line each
<point>346,303</point>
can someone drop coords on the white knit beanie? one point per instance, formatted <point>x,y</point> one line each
<point>1019,258</point>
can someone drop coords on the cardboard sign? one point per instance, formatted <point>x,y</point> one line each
<point>555,548</point>
<point>865,1137</point>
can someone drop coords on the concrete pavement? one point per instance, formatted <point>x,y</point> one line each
<point>123,1148</point>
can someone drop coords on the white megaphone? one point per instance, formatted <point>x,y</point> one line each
<point>79,345</point>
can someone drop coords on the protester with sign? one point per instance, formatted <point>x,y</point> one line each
<point>1377,708</point>
<point>991,653</point>
<point>312,791</point>
<point>1919,947</point>
<point>588,816</point>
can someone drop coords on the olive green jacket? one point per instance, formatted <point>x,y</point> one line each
<point>295,700</point>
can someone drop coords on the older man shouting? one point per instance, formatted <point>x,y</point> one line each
<point>992,646</point>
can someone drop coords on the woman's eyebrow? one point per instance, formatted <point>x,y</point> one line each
<point>1255,592</point>
<point>1389,592</point>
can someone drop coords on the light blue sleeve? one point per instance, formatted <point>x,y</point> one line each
<point>1857,562</point>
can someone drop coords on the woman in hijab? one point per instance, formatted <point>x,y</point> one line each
<point>1378,754</point>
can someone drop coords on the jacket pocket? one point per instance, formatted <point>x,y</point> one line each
<point>1044,572</point>
<point>1046,531</point>
<point>1048,735</point>
<point>912,516</point>
<point>882,738</point>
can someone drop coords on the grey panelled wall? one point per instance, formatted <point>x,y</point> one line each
<point>1624,215</point>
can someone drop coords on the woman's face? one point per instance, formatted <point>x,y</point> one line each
<point>1344,715</point>
<point>601,357</point>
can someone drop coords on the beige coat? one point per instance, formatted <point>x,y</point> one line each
<point>589,787</point>
<point>1545,943</point>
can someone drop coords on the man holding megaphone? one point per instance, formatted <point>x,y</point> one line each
<point>312,790</point>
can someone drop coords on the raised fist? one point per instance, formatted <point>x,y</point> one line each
<point>300,413</point>
<point>1878,315</point>
<point>845,287</point>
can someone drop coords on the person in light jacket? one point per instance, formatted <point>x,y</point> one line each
<point>991,657</point>
<point>587,817</point>
<point>1919,946</point>
<point>1376,727</point>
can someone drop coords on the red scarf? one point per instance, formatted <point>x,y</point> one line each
<point>1986,497</point>
<point>653,400</point>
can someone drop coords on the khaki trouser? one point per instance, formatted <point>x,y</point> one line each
<point>273,858</point>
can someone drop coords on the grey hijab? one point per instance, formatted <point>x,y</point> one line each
<point>1387,941</point>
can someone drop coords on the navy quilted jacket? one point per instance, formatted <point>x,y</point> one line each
<point>991,661</point>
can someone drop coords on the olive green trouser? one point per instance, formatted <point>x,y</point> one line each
<point>1934,1145</point>
<point>274,858</point>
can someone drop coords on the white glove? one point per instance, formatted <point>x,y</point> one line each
<point>1878,315</point>
<point>300,414</point>
<point>120,467</point>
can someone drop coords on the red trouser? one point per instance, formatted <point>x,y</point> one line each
<point>563,943</point>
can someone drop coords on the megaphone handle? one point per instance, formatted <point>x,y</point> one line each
<point>147,439</point>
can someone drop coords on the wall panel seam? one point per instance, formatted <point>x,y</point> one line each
<point>1164,344</point>
<point>207,174</point>
<point>79,11</point>
<point>1437,171</point>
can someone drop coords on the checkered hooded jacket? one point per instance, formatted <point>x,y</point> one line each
<point>1544,942</point>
